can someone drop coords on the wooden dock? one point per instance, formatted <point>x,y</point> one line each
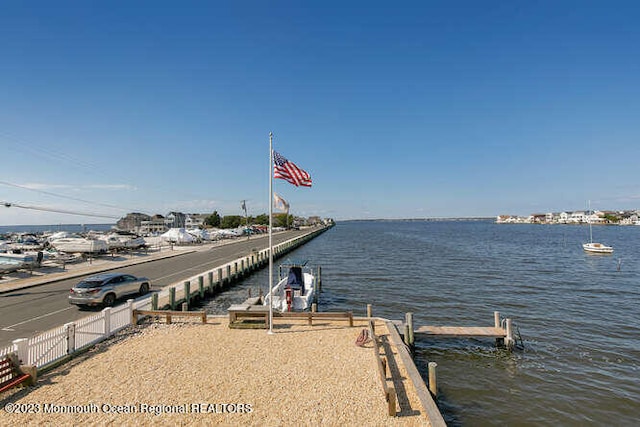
<point>501,331</point>
<point>462,331</point>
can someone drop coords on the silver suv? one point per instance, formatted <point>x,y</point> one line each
<point>104,289</point>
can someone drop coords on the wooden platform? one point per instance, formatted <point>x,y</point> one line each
<point>461,331</point>
<point>248,316</point>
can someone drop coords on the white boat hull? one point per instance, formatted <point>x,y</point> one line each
<point>72,245</point>
<point>300,301</point>
<point>597,248</point>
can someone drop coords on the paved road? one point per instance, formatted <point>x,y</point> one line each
<point>25,312</point>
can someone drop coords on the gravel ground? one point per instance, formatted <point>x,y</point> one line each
<point>194,374</point>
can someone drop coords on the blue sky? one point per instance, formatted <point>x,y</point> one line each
<point>396,109</point>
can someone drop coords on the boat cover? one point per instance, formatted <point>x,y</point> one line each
<point>295,279</point>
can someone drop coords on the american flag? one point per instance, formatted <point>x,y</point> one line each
<point>284,169</point>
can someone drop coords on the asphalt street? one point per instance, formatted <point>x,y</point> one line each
<point>28,311</point>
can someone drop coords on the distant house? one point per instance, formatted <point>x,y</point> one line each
<point>314,220</point>
<point>175,220</point>
<point>538,218</point>
<point>195,221</point>
<point>563,218</point>
<point>132,221</point>
<point>155,225</point>
<point>577,217</point>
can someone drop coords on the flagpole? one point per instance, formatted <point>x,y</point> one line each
<point>270,233</point>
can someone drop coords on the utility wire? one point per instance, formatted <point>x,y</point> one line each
<point>60,195</point>
<point>33,149</point>
<point>39,208</point>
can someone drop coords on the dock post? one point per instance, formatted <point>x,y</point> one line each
<point>409,320</point>
<point>496,322</point>
<point>369,315</point>
<point>433,382</point>
<point>319,279</point>
<point>187,292</point>
<point>369,311</point>
<point>201,286</point>
<point>154,301</point>
<point>510,340</point>
<point>210,277</point>
<point>314,308</point>
<point>185,306</point>
<point>406,335</point>
<point>172,298</point>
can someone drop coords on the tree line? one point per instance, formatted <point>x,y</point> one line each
<point>235,221</point>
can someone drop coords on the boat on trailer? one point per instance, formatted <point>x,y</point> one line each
<point>296,287</point>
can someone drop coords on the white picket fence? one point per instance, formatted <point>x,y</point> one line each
<point>50,346</point>
<point>54,344</point>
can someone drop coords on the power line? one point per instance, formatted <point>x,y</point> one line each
<point>60,195</point>
<point>43,209</point>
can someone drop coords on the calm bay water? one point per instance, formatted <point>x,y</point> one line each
<point>578,313</point>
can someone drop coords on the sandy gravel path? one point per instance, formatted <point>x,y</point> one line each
<point>190,374</point>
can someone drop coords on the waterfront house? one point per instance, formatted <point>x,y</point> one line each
<point>577,217</point>
<point>194,221</point>
<point>175,220</point>
<point>154,226</point>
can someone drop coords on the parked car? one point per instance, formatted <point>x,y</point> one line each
<point>105,289</point>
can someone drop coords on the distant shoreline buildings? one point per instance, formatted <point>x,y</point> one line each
<point>631,217</point>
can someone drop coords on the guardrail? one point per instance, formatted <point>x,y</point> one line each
<point>53,346</point>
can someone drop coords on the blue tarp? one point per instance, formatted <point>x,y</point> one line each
<point>295,279</point>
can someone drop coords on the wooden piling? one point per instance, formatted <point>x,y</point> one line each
<point>187,292</point>
<point>433,383</point>
<point>172,298</point>
<point>406,335</point>
<point>154,301</point>
<point>409,321</point>
<point>314,308</point>
<point>509,340</point>
<point>496,322</point>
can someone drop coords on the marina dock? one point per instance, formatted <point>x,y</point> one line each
<point>502,331</point>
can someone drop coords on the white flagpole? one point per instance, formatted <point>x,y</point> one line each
<point>270,232</point>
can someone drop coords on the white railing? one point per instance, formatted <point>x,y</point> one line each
<point>42,348</point>
<point>50,346</point>
<point>90,330</point>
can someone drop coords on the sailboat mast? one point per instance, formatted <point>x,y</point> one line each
<point>589,221</point>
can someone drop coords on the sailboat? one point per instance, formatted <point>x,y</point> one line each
<point>593,246</point>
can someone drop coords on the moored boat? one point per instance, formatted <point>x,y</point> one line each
<point>597,248</point>
<point>592,246</point>
<point>295,289</point>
